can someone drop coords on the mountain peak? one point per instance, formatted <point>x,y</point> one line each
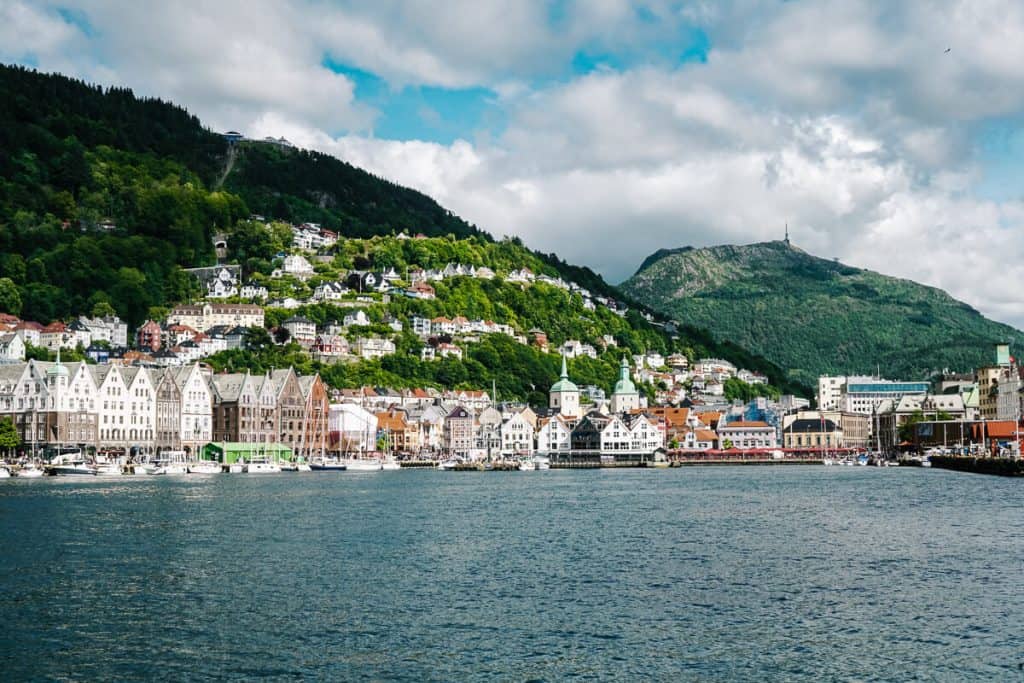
<point>814,315</point>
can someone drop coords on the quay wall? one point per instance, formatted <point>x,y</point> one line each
<point>1004,467</point>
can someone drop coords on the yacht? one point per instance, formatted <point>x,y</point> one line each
<point>390,465</point>
<point>527,466</point>
<point>324,464</point>
<point>29,471</point>
<point>263,467</point>
<point>71,463</point>
<point>363,465</point>
<point>171,462</point>
<point>543,463</point>
<point>107,469</point>
<point>204,467</point>
<point>236,467</point>
<point>448,464</point>
<point>4,472</point>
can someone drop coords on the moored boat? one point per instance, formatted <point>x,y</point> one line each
<point>70,463</point>
<point>4,472</point>
<point>205,467</point>
<point>29,471</point>
<point>107,469</point>
<point>263,467</point>
<point>363,465</point>
<point>326,464</point>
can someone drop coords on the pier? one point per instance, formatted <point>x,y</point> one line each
<point>1003,467</point>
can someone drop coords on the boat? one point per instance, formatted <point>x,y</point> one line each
<point>29,471</point>
<point>303,467</point>
<point>363,465</point>
<point>4,472</point>
<point>71,463</point>
<point>107,469</point>
<point>205,467</point>
<point>236,468</point>
<point>544,463</point>
<point>829,461</point>
<point>527,466</point>
<point>263,467</point>
<point>325,464</point>
<point>448,464</point>
<point>171,462</point>
<point>287,466</point>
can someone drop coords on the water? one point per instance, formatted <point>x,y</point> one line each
<point>756,573</point>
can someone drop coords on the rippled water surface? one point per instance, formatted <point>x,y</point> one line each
<point>757,573</point>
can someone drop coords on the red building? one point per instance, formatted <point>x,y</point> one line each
<point>148,336</point>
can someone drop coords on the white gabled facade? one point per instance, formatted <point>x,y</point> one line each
<point>554,436</point>
<point>196,408</point>
<point>140,429</point>
<point>517,436</point>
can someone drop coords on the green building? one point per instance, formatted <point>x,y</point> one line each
<point>231,452</point>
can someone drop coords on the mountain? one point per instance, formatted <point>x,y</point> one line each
<point>106,197</point>
<point>813,316</point>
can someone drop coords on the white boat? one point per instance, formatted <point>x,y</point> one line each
<point>527,466</point>
<point>171,462</point>
<point>236,468</point>
<point>543,463</point>
<point>325,464</point>
<point>303,467</point>
<point>828,461</point>
<point>204,467</point>
<point>263,467</point>
<point>71,463</point>
<point>447,464</point>
<point>390,465</point>
<point>107,469</point>
<point>4,473</point>
<point>30,471</point>
<point>363,465</point>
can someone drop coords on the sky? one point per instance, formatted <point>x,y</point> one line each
<point>889,135</point>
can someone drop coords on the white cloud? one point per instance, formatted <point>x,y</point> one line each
<point>848,120</point>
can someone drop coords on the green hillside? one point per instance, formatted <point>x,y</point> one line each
<point>812,315</point>
<point>105,197</point>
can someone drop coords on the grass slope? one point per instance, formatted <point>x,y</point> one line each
<point>812,316</point>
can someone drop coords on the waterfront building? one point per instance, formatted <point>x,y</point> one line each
<point>167,421</point>
<point>746,435</point>
<point>459,432</point>
<point>813,433</point>
<point>244,408</point>
<point>517,435</point>
<point>625,397</point>
<point>315,439</point>
<point>554,434</point>
<point>999,387</point>
<point>564,396</point>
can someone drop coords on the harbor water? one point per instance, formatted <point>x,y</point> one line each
<point>718,573</point>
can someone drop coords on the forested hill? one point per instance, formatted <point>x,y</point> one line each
<point>105,197</point>
<point>811,315</point>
